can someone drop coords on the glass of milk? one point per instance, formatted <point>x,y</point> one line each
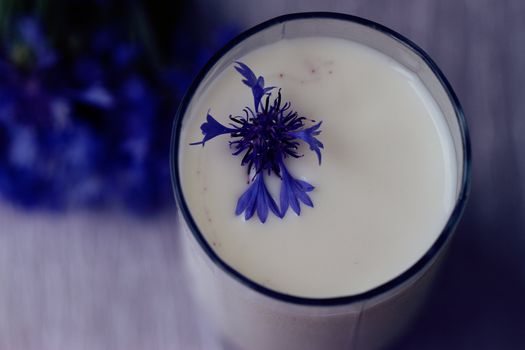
<point>351,272</point>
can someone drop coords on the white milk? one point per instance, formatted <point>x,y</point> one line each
<point>384,190</point>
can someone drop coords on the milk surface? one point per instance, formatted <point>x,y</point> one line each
<point>384,190</point>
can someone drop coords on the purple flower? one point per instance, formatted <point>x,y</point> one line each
<point>85,117</point>
<point>265,136</point>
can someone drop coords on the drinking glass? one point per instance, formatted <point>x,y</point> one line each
<point>247,315</point>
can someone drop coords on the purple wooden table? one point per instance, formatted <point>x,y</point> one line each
<point>112,281</point>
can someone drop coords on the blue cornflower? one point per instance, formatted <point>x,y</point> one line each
<point>265,136</point>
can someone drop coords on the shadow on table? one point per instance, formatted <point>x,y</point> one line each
<point>476,302</point>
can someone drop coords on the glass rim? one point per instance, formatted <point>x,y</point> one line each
<point>389,285</point>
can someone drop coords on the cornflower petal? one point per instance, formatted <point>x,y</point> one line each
<point>293,190</point>
<point>256,197</point>
<point>253,82</point>
<point>308,135</point>
<point>212,128</point>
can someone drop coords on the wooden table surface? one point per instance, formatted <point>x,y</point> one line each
<point>112,281</point>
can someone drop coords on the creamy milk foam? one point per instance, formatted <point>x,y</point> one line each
<point>383,192</point>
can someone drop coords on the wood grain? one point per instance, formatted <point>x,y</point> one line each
<point>111,281</point>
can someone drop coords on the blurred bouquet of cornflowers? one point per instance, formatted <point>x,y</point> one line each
<point>88,92</point>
